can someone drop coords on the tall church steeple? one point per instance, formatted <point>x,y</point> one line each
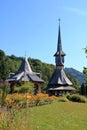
<point>59,44</point>
<point>59,82</point>
<point>59,55</point>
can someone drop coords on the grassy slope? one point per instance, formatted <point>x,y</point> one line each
<point>59,116</point>
<point>56,116</point>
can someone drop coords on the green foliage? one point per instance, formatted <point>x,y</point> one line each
<point>3,66</point>
<point>8,64</point>
<point>2,54</point>
<point>85,50</point>
<point>56,116</point>
<point>63,99</point>
<point>25,87</point>
<point>14,63</point>
<point>14,120</point>
<point>74,81</point>
<point>85,70</point>
<point>84,88</point>
<point>37,101</point>
<point>4,90</point>
<point>11,64</point>
<point>45,69</point>
<point>77,98</point>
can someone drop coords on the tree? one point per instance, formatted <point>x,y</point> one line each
<point>85,68</point>
<point>74,81</point>
<point>3,66</point>
<point>85,50</point>
<point>84,85</point>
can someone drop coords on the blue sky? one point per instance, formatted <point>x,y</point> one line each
<point>32,26</point>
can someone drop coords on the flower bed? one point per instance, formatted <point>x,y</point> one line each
<point>26,100</point>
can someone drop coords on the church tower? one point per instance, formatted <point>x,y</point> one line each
<point>59,55</point>
<point>59,82</point>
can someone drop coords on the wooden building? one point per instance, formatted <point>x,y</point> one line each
<point>59,82</point>
<point>25,73</point>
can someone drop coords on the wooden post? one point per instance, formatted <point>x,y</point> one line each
<point>39,88</point>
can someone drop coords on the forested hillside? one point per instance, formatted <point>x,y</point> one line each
<point>11,64</point>
<point>76,74</point>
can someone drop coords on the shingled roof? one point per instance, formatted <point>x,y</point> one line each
<point>25,73</point>
<point>59,77</point>
<point>59,80</point>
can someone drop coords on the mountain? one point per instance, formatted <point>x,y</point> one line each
<point>76,74</point>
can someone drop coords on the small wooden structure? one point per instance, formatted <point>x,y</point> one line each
<point>25,73</point>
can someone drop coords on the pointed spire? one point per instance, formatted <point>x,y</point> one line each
<point>59,44</point>
<point>59,48</point>
<point>25,66</point>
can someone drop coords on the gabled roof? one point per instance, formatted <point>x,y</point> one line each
<point>25,73</point>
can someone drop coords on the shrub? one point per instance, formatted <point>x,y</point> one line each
<point>37,101</point>
<point>25,87</point>
<point>63,99</point>
<point>4,89</point>
<point>77,98</point>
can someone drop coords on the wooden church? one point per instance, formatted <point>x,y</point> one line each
<point>25,73</point>
<point>59,82</point>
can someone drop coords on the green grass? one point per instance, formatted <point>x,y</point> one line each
<point>56,116</point>
<point>59,116</point>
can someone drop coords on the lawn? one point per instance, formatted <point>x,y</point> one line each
<point>55,116</point>
<point>59,116</point>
